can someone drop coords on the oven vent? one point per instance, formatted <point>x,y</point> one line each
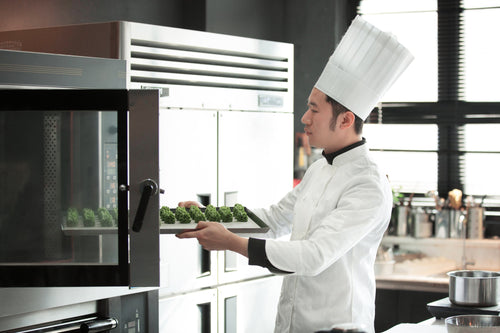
<point>153,62</point>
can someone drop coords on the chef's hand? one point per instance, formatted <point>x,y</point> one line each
<point>215,236</point>
<point>187,204</point>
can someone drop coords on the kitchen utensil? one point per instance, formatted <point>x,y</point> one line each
<point>474,288</point>
<point>457,224</point>
<point>421,225</point>
<point>439,201</point>
<point>442,223</point>
<point>455,197</point>
<point>473,324</point>
<point>403,214</point>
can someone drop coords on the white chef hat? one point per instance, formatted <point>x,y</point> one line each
<point>363,67</point>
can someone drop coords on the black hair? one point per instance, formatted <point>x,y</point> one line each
<point>339,109</point>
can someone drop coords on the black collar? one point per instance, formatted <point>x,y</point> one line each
<point>331,156</point>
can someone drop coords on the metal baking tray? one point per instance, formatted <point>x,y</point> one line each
<point>81,230</point>
<point>253,225</point>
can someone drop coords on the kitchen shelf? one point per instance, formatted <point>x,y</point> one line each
<point>401,240</point>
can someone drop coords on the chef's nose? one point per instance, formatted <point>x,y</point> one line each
<point>306,119</point>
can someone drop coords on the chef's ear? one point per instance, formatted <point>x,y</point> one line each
<point>347,119</point>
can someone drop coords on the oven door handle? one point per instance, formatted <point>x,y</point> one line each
<point>149,188</point>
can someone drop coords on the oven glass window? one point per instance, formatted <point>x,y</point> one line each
<point>58,175</point>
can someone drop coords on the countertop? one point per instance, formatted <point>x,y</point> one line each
<point>433,283</point>
<point>423,274</point>
<point>432,325</point>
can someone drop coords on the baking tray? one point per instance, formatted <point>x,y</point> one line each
<point>253,225</point>
<point>81,230</point>
<point>444,308</point>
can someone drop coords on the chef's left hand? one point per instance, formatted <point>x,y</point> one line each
<point>214,236</point>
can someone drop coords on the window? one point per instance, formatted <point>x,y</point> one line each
<point>401,17</point>
<point>407,153</point>
<point>448,95</point>
<point>482,68</point>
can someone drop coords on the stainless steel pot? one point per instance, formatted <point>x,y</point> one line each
<point>474,288</point>
<point>473,324</point>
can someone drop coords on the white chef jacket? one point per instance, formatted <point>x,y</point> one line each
<point>337,216</point>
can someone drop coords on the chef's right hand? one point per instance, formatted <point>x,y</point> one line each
<point>187,204</point>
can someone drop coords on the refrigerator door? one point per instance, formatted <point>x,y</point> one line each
<point>188,170</point>
<point>188,155</point>
<point>192,312</point>
<point>249,306</point>
<point>72,171</point>
<point>254,147</point>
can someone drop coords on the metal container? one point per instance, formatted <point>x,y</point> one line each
<point>457,226</point>
<point>474,288</point>
<point>473,324</point>
<point>442,224</point>
<point>475,222</point>
<point>403,214</point>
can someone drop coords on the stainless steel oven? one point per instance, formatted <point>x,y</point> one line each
<point>72,174</point>
<point>65,148</point>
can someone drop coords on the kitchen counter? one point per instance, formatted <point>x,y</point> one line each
<point>422,274</point>
<point>432,325</point>
<point>434,283</point>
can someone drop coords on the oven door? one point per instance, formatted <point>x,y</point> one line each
<point>79,199</point>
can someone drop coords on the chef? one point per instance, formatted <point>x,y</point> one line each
<point>337,215</point>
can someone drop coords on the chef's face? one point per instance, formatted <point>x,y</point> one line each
<point>318,122</point>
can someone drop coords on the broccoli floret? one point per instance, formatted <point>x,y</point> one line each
<point>166,215</point>
<point>114,214</point>
<point>225,214</point>
<point>72,217</point>
<point>196,214</point>
<point>182,215</point>
<point>105,217</point>
<point>194,210</point>
<point>199,216</point>
<point>239,213</point>
<point>88,217</point>
<point>212,214</point>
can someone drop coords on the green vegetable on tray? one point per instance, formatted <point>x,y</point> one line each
<point>114,214</point>
<point>72,217</point>
<point>212,214</point>
<point>166,215</point>
<point>88,217</point>
<point>225,214</point>
<point>182,215</point>
<point>196,214</point>
<point>239,213</point>
<point>105,217</point>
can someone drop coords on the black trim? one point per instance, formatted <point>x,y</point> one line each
<point>61,276</point>
<point>257,255</point>
<point>331,156</point>
<point>79,273</point>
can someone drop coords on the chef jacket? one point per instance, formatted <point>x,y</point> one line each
<point>337,216</point>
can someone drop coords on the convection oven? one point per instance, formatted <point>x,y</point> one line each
<point>79,202</point>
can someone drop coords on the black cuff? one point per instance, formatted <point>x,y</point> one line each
<point>257,255</point>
